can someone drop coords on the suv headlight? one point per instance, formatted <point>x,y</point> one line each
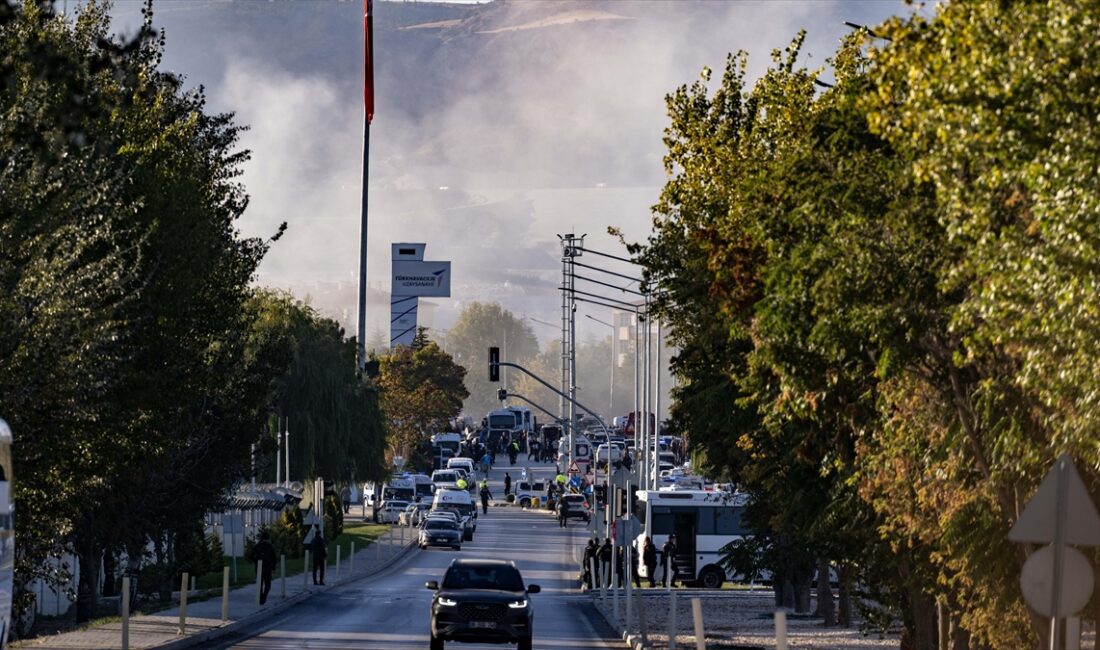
<point>447,602</point>
<point>518,604</point>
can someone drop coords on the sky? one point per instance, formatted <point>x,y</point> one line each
<point>538,137</point>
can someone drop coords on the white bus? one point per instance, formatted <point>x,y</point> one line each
<point>703,522</point>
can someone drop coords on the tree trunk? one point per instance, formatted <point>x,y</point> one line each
<point>802,591</point>
<point>89,556</point>
<point>960,638</point>
<point>164,582</point>
<point>787,594</point>
<point>109,567</point>
<point>825,606</point>
<point>844,573</point>
<point>921,633</point>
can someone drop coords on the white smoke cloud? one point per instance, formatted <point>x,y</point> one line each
<point>554,130</point>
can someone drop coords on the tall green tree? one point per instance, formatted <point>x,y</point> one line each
<point>480,326</point>
<point>333,415</point>
<point>125,285</point>
<point>422,388</point>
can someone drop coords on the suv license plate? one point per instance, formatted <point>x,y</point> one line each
<point>488,625</point>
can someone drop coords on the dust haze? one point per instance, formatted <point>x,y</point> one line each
<point>497,126</point>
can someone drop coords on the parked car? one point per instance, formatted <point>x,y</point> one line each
<point>481,601</point>
<point>412,515</point>
<point>439,531</point>
<point>391,511</point>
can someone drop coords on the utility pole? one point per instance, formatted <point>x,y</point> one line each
<point>570,250</point>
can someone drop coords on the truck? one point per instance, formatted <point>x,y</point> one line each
<point>502,424</point>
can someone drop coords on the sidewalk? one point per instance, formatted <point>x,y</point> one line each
<point>161,630</point>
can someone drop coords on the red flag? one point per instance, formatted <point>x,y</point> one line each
<point>368,60</point>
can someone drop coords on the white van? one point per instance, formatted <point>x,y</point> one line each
<point>461,502</point>
<point>608,453</point>
<point>582,452</point>
<point>464,463</point>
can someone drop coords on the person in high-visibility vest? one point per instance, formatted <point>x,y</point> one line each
<point>560,479</point>
<point>461,483</point>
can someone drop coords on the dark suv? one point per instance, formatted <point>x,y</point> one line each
<point>481,601</point>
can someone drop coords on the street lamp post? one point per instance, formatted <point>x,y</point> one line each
<point>611,394</point>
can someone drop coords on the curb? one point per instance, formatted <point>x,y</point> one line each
<point>255,617</point>
<point>631,639</point>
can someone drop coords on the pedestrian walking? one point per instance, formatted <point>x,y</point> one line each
<point>605,560</point>
<point>591,559</point>
<point>668,562</point>
<point>264,552</point>
<point>513,451</point>
<point>563,513</point>
<point>649,559</point>
<point>507,484</point>
<point>635,566</point>
<point>486,463</point>
<point>318,548</point>
<point>485,496</point>
<point>533,451</point>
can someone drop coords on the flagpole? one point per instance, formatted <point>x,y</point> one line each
<point>368,114</point>
<point>363,253</point>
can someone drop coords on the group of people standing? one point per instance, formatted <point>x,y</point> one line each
<point>600,556</point>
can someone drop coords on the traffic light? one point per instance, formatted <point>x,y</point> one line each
<point>502,394</point>
<point>601,494</point>
<point>494,367</point>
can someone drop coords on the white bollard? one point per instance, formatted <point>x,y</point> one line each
<point>225,594</point>
<point>603,585</point>
<point>183,603</point>
<point>259,580</point>
<point>351,559</point>
<point>125,603</point>
<point>673,626</point>
<point>305,572</point>
<point>697,614</point>
<point>337,563</point>
<point>781,631</point>
<point>614,589</point>
<point>1073,633</point>
<point>282,573</point>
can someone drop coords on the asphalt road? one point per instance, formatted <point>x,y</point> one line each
<point>390,611</point>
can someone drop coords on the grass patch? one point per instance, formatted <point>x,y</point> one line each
<point>362,534</point>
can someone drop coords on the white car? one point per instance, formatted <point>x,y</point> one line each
<point>444,478</point>
<point>412,515</point>
<point>391,511</point>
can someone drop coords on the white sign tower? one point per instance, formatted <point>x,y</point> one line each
<point>412,278</point>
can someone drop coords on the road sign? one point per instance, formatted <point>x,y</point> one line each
<point>1076,583</point>
<point>1038,522</point>
<point>573,469</point>
<point>627,529</point>
<point>620,478</point>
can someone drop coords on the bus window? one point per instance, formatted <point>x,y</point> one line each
<point>728,522</point>
<point>662,521</point>
<point>704,522</point>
